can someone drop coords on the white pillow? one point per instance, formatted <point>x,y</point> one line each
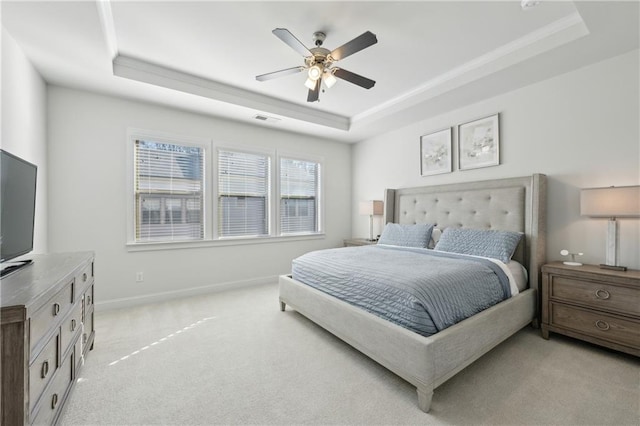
<point>435,236</point>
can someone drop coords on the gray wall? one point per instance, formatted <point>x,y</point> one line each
<point>88,187</point>
<point>581,129</point>
<point>24,124</point>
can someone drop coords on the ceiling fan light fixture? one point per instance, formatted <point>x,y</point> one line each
<point>310,84</point>
<point>329,79</point>
<point>315,72</point>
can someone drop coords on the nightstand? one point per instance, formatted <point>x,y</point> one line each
<point>359,242</point>
<point>595,305</point>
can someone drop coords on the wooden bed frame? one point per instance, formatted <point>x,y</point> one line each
<point>514,204</point>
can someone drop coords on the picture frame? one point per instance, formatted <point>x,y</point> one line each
<point>479,143</point>
<point>436,152</point>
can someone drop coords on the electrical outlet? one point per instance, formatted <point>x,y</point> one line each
<point>139,277</point>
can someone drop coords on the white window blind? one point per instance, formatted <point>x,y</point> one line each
<point>169,186</point>
<point>243,194</point>
<point>299,187</point>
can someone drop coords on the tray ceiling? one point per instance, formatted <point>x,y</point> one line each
<point>431,57</point>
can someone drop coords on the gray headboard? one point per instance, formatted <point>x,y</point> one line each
<point>513,204</point>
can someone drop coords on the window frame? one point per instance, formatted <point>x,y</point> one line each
<point>210,193</point>
<point>216,195</point>
<point>319,197</point>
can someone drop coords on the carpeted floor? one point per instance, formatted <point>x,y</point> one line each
<point>234,358</point>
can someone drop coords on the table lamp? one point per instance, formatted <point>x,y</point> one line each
<point>613,202</point>
<point>371,208</point>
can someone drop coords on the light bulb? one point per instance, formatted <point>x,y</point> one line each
<point>329,79</point>
<point>310,84</point>
<point>315,72</point>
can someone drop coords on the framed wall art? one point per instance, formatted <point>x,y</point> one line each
<point>435,153</point>
<point>479,143</point>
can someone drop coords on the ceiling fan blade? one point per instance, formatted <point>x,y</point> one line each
<point>314,94</point>
<point>363,41</point>
<point>284,35</point>
<point>281,73</point>
<point>354,78</point>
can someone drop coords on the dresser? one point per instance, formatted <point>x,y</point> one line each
<point>47,320</point>
<point>596,305</point>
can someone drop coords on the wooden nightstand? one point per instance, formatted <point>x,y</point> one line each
<point>596,305</point>
<point>359,242</point>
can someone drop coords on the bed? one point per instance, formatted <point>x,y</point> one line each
<point>513,204</point>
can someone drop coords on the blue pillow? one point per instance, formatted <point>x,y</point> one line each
<point>406,235</point>
<point>480,242</point>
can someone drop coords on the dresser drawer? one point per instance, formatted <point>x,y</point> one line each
<point>53,397</point>
<point>84,278</point>
<point>42,370</point>
<point>598,295</point>
<point>88,299</point>
<point>77,353</point>
<point>86,334</point>
<point>70,327</point>
<point>50,314</point>
<point>596,324</point>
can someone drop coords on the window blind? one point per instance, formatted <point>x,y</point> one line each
<point>243,194</point>
<point>169,188</point>
<point>299,186</point>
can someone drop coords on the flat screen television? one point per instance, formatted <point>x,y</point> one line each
<point>17,203</point>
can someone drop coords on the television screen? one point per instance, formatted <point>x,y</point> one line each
<point>17,202</point>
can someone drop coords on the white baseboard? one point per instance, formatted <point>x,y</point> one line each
<point>126,302</point>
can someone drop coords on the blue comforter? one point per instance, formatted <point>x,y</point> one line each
<point>423,290</point>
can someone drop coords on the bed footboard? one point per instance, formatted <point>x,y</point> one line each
<point>425,362</point>
<point>404,352</point>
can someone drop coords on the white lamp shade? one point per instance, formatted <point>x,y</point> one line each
<point>614,201</point>
<point>310,84</point>
<point>329,79</point>
<point>371,208</point>
<point>315,72</point>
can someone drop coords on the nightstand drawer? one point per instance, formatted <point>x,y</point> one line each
<point>605,327</point>
<point>598,295</point>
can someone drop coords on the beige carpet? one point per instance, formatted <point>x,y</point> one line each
<point>234,358</point>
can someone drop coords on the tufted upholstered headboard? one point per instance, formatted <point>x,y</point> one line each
<point>513,204</point>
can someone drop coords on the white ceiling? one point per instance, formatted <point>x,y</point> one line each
<point>431,57</point>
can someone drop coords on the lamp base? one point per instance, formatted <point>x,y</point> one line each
<point>613,267</point>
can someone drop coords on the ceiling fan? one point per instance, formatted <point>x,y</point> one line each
<point>319,62</point>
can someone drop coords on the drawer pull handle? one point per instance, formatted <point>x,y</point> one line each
<point>56,309</point>
<point>84,277</point>
<point>73,324</point>
<point>45,369</point>
<point>602,294</point>
<point>602,325</point>
<point>54,401</point>
<point>88,300</point>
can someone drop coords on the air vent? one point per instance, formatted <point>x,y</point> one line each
<point>266,118</point>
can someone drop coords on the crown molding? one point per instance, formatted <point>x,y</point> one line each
<point>558,33</point>
<point>139,70</point>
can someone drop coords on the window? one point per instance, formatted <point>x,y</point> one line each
<point>187,191</point>
<point>299,190</point>
<point>169,182</point>
<point>243,194</point>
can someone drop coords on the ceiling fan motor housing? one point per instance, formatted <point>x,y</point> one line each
<point>319,37</point>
